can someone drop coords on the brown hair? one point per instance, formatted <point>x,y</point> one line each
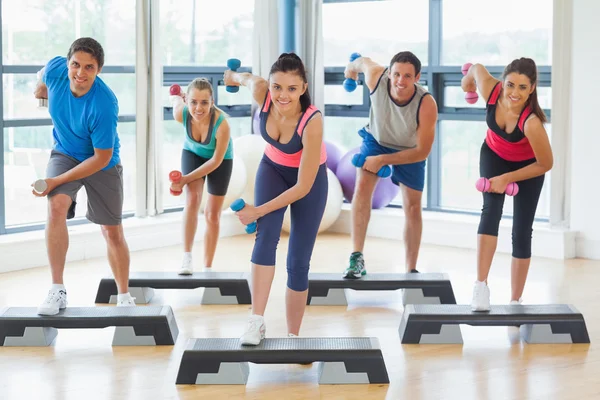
<point>526,66</point>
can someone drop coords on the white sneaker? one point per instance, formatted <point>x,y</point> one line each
<point>187,267</point>
<point>516,302</point>
<point>55,301</point>
<point>481,297</point>
<point>129,302</point>
<point>255,331</point>
<point>292,335</point>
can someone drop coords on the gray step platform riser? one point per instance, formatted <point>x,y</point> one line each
<point>337,296</point>
<point>236,292</point>
<point>444,333</point>
<point>133,330</point>
<point>199,370</point>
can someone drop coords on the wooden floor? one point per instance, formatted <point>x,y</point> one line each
<point>492,363</point>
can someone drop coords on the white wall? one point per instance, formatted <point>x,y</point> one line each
<point>585,129</point>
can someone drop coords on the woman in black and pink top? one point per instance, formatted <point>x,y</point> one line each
<point>516,149</point>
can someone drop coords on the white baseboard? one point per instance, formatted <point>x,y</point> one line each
<point>588,248</point>
<point>460,230</point>
<point>28,249</point>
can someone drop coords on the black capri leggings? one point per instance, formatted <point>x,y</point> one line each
<point>525,202</point>
<point>217,180</point>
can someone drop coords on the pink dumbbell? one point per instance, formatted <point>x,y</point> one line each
<point>470,97</point>
<point>484,185</point>
<point>175,90</point>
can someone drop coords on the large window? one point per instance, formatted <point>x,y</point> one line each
<point>197,43</point>
<point>496,33</point>
<point>377,29</point>
<point>33,32</point>
<point>444,34</point>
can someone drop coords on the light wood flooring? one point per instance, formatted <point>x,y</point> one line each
<point>492,363</point>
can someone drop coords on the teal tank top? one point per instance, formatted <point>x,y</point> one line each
<point>205,149</point>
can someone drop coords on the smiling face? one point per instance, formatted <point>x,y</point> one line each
<point>402,79</point>
<point>286,89</point>
<point>517,88</point>
<point>199,103</point>
<point>82,71</point>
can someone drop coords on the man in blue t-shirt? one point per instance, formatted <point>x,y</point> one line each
<point>84,111</point>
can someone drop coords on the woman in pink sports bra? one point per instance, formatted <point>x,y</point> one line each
<point>516,149</point>
<point>292,172</point>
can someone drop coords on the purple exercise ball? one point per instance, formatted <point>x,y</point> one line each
<point>384,193</point>
<point>334,155</point>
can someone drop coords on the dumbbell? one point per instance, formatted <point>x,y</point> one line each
<point>236,206</point>
<point>175,90</point>
<point>233,64</point>
<point>470,97</point>
<point>174,177</point>
<point>350,84</point>
<point>42,103</point>
<point>358,160</point>
<point>484,185</point>
<point>40,186</point>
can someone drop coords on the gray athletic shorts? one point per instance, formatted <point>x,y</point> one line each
<point>104,190</point>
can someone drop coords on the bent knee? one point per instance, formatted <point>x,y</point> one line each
<point>297,277</point>
<point>113,234</point>
<point>212,217</point>
<point>58,206</point>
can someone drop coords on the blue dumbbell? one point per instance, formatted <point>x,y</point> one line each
<point>236,206</point>
<point>233,64</point>
<point>350,84</point>
<point>358,160</point>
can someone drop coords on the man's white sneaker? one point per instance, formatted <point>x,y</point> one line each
<point>187,267</point>
<point>481,297</point>
<point>255,331</point>
<point>55,301</point>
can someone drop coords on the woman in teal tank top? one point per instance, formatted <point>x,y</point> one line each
<point>207,158</point>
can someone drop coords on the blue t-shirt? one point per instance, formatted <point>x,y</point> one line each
<point>81,123</point>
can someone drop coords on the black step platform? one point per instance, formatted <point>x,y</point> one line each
<point>135,326</point>
<point>439,324</point>
<point>225,361</point>
<point>422,288</point>
<point>220,287</point>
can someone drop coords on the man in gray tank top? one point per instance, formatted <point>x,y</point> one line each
<point>400,134</point>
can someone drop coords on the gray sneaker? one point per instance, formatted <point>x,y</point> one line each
<point>356,267</point>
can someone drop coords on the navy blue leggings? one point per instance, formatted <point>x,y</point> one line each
<point>524,203</point>
<point>271,180</point>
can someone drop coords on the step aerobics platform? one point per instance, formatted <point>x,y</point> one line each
<point>220,287</point>
<point>134,326</point>
<point>225,361</point>
<point>419,288</point>
<point>437,324</point>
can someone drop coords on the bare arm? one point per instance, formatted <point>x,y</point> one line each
<point>178,103</point>
<point>41,90</point>
<point>257,85</point>
<point>371,70</point>
<point>222,137</point>
<point>538,138</point>
<point>479,78</point>
<point>309,166</point>
<point>428,115</point>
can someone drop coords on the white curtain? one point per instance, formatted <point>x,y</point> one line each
<point>265,39</point>
<point>309,45</point>
<point>149,111</point>
<point>562,37</point>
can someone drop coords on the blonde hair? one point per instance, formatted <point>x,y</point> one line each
<point>204,84</point>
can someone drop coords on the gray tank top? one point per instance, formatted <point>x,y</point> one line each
<point>391,124</point>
